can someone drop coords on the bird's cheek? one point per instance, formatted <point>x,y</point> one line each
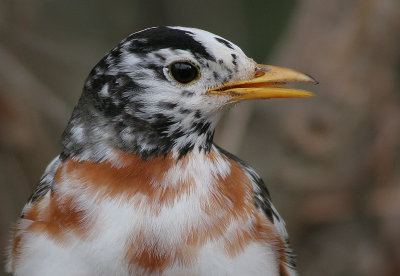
<point>216,102</point>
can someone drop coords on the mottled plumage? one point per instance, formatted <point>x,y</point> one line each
<point>139,187</point>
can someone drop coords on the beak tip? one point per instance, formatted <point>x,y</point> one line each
<point>306,94</point>
<point>312,79</point>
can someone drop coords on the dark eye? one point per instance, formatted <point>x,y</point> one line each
<point>184,72</point>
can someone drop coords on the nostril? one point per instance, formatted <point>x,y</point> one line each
<point>259,73</point>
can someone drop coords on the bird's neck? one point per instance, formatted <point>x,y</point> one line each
<point>91,135</point>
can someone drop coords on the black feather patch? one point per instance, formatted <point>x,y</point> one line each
<point>224,42</point>
<point>154,39</point>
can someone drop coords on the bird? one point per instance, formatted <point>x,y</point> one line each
<point>139,187</point>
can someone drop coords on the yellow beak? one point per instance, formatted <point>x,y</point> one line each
<point>266,83</point>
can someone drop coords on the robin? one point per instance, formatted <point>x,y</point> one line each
<point>139,187</point>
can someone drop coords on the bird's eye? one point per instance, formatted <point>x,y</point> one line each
<point>184,72</point>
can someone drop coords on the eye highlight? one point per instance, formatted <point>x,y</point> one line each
<point>184,72</point>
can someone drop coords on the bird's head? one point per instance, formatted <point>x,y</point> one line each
<point>162,90</point>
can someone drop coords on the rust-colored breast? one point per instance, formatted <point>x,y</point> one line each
<point>230,201</point>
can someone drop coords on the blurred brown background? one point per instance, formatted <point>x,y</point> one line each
<point>332,162</point>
